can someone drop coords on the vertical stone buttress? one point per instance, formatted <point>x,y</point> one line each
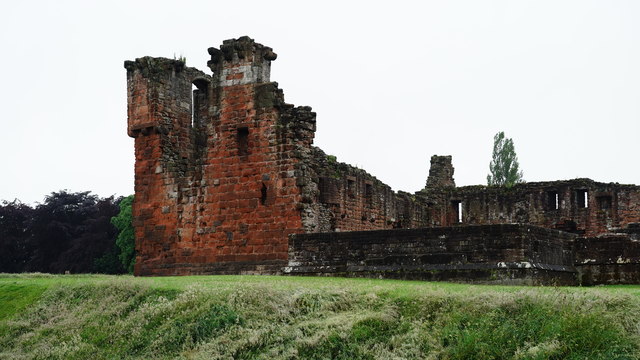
<point>217,168</point>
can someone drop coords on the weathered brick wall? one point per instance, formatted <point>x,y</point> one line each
<point>159,113</point>
<point>556,204</point>
<point>216,189</point>
<point>488,253</point>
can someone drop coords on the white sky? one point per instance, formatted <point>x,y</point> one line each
<point>392,83</point>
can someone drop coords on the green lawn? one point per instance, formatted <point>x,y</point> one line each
<point>272,317</point>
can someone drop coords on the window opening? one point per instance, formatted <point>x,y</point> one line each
<point>582,197</point>
<point>243,141</point>
<point>368,193</point>
<point>457,210</point>
<point>194,105</point>
<point>263,194</point>
<point>368,190</point>
<point>604,202</point>
<point>351,184</point>
<point>553,200</point>
<point>199,91</point>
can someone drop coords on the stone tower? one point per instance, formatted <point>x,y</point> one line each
<point>440,172</point>
<point>216,163</point>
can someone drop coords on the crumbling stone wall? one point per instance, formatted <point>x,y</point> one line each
<point>226,171</point>
<point>580,206</point>
<point>609,259</point>
<point>346,198</point>
<point>506,253</point>
<point>440,172</point>
<point>215,187</point>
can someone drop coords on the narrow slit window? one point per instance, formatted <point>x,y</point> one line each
<point>457,210</point>
<point>194,104</point>
<point>263,194</point>
<point>582,198</point>
<point>243,141</point>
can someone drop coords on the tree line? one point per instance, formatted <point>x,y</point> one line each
<point>77,232</point>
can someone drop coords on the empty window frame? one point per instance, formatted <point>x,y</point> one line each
<point>243,141</point>
<point>351,188</point>
<point>553,200</point>
<point>456,206</point>
<point>582,198</point>
<point>604,202</point>
<point>368,193</point>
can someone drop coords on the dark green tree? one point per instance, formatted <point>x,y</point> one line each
<point>15,234</point>
<point>69,231</point>
<point>125,240</point>
<point>504,169</point>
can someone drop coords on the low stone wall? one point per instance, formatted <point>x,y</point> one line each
<point>505,253</point>
<point>610,259</point>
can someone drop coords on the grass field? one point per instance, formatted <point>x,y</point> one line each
<point>267,317</point>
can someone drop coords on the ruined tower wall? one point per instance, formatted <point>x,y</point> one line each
<point>216,188</point>
<point>159,113</point>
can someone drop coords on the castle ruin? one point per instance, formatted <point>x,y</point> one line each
<point>227,181</point>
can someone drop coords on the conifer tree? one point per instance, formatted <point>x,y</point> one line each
<point>504,167</point>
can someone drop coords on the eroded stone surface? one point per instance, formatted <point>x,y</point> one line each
<point>226,170</point>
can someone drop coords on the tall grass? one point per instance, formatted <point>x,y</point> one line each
<point>311,318</point>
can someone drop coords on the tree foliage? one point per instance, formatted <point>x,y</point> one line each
<point>125,240</point>
<point>14,235</point>
<point>67,232</point>
<point>504,169</point>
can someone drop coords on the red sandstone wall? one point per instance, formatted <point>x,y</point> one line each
<point>226,172</point>
<point>216,190</point>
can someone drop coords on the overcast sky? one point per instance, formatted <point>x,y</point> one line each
<point>392,83</point>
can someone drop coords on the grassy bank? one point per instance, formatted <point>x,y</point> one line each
<point>250,317</point>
